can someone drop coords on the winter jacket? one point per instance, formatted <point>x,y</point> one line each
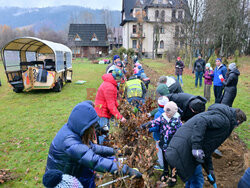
<point>162,90</point>
<point>108,67</point>
<point>68,154</point>
<point>183,101</point>
<point>156,134</point>
<point>140,71</point>
<point>208,78</point>
<point>179,66</point>
<point>167,127</point>
<point>135,88</point>
<point>173,85</point>
<point>230,89</point>
<point>199,65</point>
<point>222,70</point>
<point>206,131</point>
<point>106,98</point>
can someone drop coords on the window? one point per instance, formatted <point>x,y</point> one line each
<point>176,31</point>
<point>173,13</point>
<point>180,13</point>
<point>156,14</point>
<point>134,28</point>
<point>77,38</point>
<point>94,38</point>
<point>161,44</point>
<point>134,43</point>
<point>163,16</point>
<point>162,31</point>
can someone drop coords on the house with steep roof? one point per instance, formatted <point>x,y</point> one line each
<point>161,29</point>
<point>87,40</point>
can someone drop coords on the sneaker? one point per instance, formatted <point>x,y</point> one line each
<point>156,167</point>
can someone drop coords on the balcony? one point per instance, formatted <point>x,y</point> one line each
<point>136,35</point>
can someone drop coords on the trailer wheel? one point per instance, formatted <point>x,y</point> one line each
<point>18,90</point>
<point>58,86</point>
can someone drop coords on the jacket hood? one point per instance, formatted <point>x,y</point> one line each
<point>235,71</point>
<point>227,111</point>
<point>82,117</point>
<point>109,78</point>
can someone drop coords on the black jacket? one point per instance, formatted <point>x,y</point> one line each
<point>230,89</point>
<point>199,65</point>
<point>183,101</point>
<point>206,131</point>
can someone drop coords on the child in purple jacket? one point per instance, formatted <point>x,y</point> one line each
<point>167,125</point>
<point>208,81</point>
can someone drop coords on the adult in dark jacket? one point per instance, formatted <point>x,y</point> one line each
<point>73,153</point>
<point>219,72</point>
<point>197,139</point>
<point>230,83</point>
<point>179,66</point>
<point>190,105</point>
<point>199,70</point>
<point>173,85</point>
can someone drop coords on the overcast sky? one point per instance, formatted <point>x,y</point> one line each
<point>95,4</point>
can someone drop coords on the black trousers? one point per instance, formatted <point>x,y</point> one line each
<point>218,93</point>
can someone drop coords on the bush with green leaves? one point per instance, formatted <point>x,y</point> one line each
<point>130,52</point>
<point>114,52</point>
<point>122,51</point>
<point>212,60</point>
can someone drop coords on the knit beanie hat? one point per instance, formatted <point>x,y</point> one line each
<point>162,101</point>
<point>117,74</point>
<point>162,89</point>
<point>218,59</point>
<point>197,105</point>
<point>178,58</point>
<point>116,57</point>
<point>143,76</point>
<point>56,179</point>
<point>171,108</point>
<point>232,66</point>
<point>208,65</point>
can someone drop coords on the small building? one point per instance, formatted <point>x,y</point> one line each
<point>88,40</point>
<point>115,37</point>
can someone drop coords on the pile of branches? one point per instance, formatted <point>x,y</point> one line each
<point>136,145</point>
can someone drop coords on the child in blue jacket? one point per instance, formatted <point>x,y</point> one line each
<point>73,152</point>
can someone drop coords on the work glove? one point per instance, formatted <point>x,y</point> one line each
<point>221,78</point>
<point>211,177</point>
<point>198,154</point>
<point>126,170</point>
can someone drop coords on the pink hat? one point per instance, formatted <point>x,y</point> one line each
<point>178,58</point>
<point>171,108</point>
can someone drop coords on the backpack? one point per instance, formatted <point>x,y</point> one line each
<point>199,67</point>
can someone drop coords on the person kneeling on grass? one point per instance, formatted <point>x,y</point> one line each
<point>167,124</point>
<point>72,150</point>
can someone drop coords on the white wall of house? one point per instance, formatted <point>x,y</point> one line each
<point>168,14</point>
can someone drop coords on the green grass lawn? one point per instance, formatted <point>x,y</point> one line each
<point>31,120</point>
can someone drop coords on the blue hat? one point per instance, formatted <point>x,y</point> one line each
<point>117,74</point>
<point>218,59</point>
<point>116,57</point>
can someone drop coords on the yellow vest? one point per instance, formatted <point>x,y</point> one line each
<point>134,88</point>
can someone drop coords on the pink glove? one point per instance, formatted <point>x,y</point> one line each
<point>221,78</point>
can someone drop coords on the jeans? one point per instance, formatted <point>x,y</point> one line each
<point>179,78</point>
<point>103,121</point>
<point>198,76</point>
<point>196,180</point>
<point>136,101</point>
<point>218,93</point>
